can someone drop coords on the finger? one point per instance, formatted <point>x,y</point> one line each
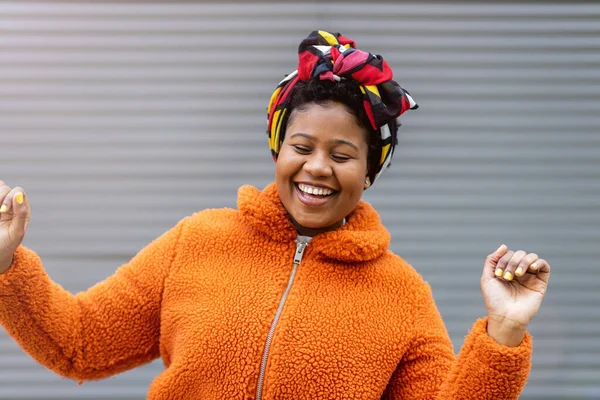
<point>501,266</point>
<point>525,263</point>
<point>20,211</point>
<point>491,260</point>
<point>496,255</point>
<point>535,267</point>
<point>7,202</point>
<point>509,270</point>
<point>4,191</point>
<point>542,269</point>
<point>19,203</point>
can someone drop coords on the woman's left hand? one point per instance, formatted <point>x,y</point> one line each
<point>513,286</point>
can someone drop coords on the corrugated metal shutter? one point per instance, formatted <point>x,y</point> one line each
<point>119,119</point>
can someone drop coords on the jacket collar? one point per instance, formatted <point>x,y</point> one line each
<point>362,238</point>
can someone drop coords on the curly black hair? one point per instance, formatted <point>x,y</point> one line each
<point>346,92</point>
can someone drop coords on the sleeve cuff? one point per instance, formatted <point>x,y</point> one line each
<point>497,356</point>
<point>25,264</point>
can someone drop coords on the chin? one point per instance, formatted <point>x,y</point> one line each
<point>311,223</point>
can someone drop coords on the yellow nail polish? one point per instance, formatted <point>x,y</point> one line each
<point>499,272</point>
<point>508,276</point>
<point>534,265</point>
<point>3,208</point>
<point>519,271</point>
<point>19,198</point>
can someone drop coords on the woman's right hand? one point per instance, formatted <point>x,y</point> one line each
<point>14,218</point>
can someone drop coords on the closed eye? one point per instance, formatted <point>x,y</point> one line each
<point>301,149</point>
<point>339,158</point>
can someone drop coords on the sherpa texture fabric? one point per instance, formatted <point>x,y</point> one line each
<point>359,322</point>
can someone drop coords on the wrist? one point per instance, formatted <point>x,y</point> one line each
<point>506,331</point>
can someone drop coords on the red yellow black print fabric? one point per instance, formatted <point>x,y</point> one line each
<point>331,56</point>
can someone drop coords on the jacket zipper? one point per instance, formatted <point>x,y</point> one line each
<point>300,246</point>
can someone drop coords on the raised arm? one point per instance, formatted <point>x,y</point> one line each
<point>483,369</point>
<point>495,359</point>
<point>112,327</point>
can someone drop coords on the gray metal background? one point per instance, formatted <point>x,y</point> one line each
<point>121,118</point>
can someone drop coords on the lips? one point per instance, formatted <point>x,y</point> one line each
<point>314,189</point>
<point>314,199</point>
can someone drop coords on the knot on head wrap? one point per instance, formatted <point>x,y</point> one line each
<point>331,56</point>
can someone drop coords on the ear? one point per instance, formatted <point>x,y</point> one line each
<point>367,182</point>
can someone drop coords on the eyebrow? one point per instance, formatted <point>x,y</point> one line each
<point>335,141</point>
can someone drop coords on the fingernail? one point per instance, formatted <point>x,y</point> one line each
<point>534,265</point>
<point>499,272</point>
<point>19,198</point>
<point>508,276</point>
<point>519,271</point>
<point>498,249</point>
<point>3,208</point>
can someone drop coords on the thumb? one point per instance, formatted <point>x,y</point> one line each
<point>489,266</point>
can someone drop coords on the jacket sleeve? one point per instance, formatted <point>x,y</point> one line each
<point>112,327</point>
<point>482,370</point>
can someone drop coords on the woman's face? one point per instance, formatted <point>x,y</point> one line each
<point>322,165</point>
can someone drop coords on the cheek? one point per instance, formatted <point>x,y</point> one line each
<point>286,167</point>
<point>282,166</point>
<point>353,177</point>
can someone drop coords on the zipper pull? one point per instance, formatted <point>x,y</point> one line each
<point>300,246</point>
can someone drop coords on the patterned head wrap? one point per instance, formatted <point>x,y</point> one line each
<point>331,56</point>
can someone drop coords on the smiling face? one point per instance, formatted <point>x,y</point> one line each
<point>322,165</point>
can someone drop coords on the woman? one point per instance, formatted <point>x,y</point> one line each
<point>295,294</point>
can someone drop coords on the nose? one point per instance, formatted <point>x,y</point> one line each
<point>318,165</point>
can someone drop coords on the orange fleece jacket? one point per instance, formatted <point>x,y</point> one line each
<point>358,321</point>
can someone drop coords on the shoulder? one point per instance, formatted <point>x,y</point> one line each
<point>216,229</point>
<point>398,264</point>
<point>213,220</point>
<point>405,276</point>
<point>213,216</point>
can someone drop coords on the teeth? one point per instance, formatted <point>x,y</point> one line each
<point>314,190</point>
